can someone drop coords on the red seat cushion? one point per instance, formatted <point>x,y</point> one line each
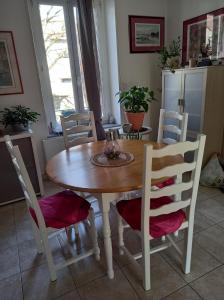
<point>130,210</point>
<point>62,209</point>
<point>167,182</point>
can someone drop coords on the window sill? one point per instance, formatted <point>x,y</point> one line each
<point>105,126</point>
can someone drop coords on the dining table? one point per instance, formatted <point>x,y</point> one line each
<point>73,169</point>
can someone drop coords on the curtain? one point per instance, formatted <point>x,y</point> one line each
<point>90,61</point>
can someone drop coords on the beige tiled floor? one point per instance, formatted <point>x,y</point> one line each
<point>24,273</point>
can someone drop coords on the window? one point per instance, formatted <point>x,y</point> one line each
<point>54,26</point>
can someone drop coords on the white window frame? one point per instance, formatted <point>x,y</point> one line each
<point>36,27</point>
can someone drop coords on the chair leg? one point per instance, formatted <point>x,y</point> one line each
<point>76,227</point>
<point>94,234</point>
<point>37,237</point>
<point>188,240</point>
<point>120,234</point>
<point>49,257</point>
<point>146,264</point>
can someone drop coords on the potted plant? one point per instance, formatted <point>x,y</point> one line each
<point>170,56</point>
<point>18,117</point>
<point>136,103</point>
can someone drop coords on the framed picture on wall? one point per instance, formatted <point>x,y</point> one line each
<point>146,34</point>
<point>10,79</point>
<point>204,34</point>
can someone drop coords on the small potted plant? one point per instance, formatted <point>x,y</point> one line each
<point>136,103</point>
<point>170,56</point>
<point>18,117</point>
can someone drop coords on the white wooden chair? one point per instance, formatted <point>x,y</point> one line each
<point>138,213</point>
<point>180,131</point>
<point>77,128</point>
<point>59,210</point>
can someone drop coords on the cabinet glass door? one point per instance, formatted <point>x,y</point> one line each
<point>193,96</point>
<point>172,90</point>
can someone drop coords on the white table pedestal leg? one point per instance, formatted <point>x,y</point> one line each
<point>105,208</point>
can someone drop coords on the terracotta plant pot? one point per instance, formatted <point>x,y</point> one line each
<point>136,119</point>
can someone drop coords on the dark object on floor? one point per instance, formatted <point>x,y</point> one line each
<point>222,189</point>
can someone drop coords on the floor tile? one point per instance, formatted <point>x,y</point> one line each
<point>89,268</point>
<point>221,224</point>
<point>9,262</point>
<point>211,286</point>
<point>11,288</point>
<point>105,288</point>
<point>208,191</point>
<point>202,262</point>
<point>6,215</point>
<point>8,236</point>
<point>133,244</point>
<point>213,208</point>
<point>37,284</point>
<point>69,296</point>
<point>212,240</point>
<point>201,222</point>
<point>24,231</point>
<point>164,280</point>
<point>30,258</point>
<point>186,293</point>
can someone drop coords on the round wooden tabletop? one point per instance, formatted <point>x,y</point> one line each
<point>73,169</point>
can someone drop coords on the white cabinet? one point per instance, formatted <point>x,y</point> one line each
<point>200,92</point>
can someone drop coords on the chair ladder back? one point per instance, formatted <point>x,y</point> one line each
<point>175,171</point>
<point>180,131</point>
<point>24,179</point>
<point>72,127</point>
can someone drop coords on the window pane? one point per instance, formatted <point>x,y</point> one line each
<point>56,47</point>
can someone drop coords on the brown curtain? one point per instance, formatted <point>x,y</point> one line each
<point>90,61</point>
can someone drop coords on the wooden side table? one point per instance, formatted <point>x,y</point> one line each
<point>10,188</point>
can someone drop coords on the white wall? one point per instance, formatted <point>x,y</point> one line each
<point>180,10</point>
<point>14,17</point>
<point>139,68</point>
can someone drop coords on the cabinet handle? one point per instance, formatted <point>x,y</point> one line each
<point>181,104</point>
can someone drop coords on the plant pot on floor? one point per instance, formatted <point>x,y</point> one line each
<point>136,119</point>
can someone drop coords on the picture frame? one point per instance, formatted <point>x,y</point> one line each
<point>146,34</point>
<point>10,78</point>
<point>204,33</point>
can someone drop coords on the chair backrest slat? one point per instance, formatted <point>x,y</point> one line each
<point>172,189</point>
<point>78,129</point>
<point>172,128</point>
<point>24,179</point>
<point>180,131</point>
<point>79,141</point>
<point>176,149</point>
<point>176,171</point>
<point>75,126</point>
<point>169,208</point>
<point>171,171</point>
